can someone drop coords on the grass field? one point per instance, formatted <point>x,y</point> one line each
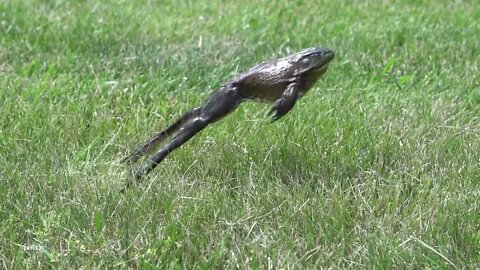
<point>378,167</point>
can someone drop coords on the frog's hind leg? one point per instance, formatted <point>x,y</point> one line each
<point>160,136</point>
<point>220,103</point>
<point>188,130</point>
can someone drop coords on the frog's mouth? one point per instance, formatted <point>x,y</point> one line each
<point>321,70</point>
<point>323,62</point>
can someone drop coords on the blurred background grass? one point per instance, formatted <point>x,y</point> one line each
<point>377,167</point>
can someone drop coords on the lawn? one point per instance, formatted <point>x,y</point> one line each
<point>377,167</point>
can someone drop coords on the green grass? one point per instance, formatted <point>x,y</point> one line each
<point>378,167</point>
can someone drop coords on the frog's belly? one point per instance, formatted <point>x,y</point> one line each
<point>269,94</point>
<point>264,93</point>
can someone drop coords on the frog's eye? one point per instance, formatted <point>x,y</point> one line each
<point>306,62</point>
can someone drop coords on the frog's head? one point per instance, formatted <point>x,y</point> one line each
<point>312,60</point>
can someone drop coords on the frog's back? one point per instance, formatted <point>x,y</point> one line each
<point>264,82</point>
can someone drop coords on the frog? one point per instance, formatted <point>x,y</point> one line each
<point>280,82</point>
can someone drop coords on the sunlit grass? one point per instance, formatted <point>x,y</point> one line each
<point>377,167</point>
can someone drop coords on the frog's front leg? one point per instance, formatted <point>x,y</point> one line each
<point>286,102</point>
